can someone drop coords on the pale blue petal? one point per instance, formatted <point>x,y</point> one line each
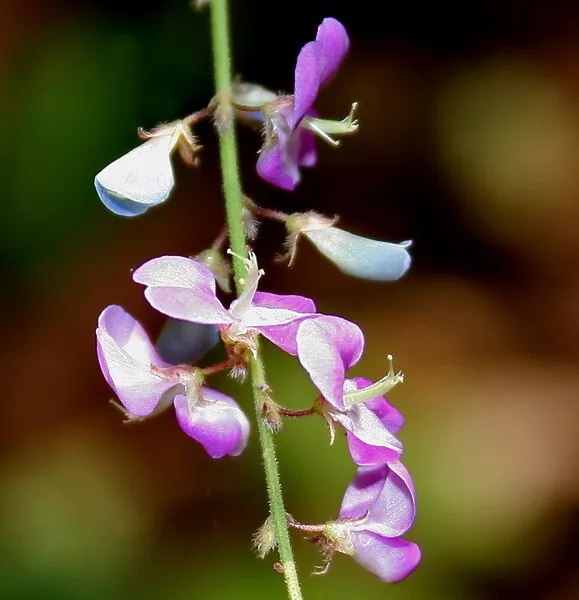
<point>142,178</point>
<point>359,256</point>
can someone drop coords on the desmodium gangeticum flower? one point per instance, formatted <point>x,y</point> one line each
<point>354,255</point>
<point>327,347</point>
<point>145,385</point>
<point>377,509</point>
<point>144,177</point>
<point>183,288</point>
<point>290,122</point>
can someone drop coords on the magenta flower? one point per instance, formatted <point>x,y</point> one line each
<point>183,288</point>
<point>378,507</point>
<point>146,385</point>
<point>327,347</point>
<point>290,121</point>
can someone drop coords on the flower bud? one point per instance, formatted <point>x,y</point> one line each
<point>214,260</point>
<point>352,254</point>
<point>184,342</point>
<point>144,177</point>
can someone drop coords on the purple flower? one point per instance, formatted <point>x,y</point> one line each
<point>146,385</point>
<point>185,289</point>
<point>378,507</point>
<point>290,121</point>
<point>327,347</point>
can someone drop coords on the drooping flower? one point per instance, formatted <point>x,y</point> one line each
<point>353,254</point>
<point>327,347</point>
<point>290,122</point>
<point>144,177</point>
<point>145,385</point>
<point>377,509</point>
<point>184,289</point>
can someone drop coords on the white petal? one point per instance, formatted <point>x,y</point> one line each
<point>359,256</point>
<point>140,179</point>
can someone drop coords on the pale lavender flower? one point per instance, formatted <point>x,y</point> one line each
<point>145,385</point>
<point>378,507</point>
<point>327,347</point>
<point>184,289</point>
<point>291,123</point>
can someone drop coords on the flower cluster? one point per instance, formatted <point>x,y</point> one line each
<point>147,378</point>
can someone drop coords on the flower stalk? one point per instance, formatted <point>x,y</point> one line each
<point>234,202</point>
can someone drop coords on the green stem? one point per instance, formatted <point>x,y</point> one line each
<point>234,214</point>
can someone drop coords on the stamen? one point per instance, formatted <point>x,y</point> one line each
<point>377,389</point>
<point>325,128</point>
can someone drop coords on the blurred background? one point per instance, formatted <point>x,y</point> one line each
<point>468,144</point>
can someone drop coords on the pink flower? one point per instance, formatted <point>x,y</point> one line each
<point>185,289</point>
<point>327,347</point>
<point>146,385</point>
<point>377,509</point>
<point>290,122</point>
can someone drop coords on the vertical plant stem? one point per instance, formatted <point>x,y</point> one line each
<point>234,214</point>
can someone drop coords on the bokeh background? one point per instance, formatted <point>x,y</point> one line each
<point>469,145</point>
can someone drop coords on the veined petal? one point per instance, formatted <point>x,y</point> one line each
<point>175,271</point>
<point>394,510</point>
<point>299,304</point>
<point>129,335</point>
<point>332,44</point>
<point>274,166</point>
<point>363,491</point>
<point>217,423</point>
<point>366,427</point>
<point>261,316</point>
<point>123,352</point>
<point>306,82</point>
<point>188,305</point>
<point>326,347</point>
<point>391,559</point>
<point>385,494</point>
<point>307,155</point>
<point>142,178</point>
<point>284,336</point>
<point>359,256</point>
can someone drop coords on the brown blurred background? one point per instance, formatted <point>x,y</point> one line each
<point>469,145</point>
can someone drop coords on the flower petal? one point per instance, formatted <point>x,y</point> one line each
<point>306,82</point>
<point>125,355</point>
<point>142,178</point>
<point>274,166</point>
<point>363,491</point>
<point>359,256</point>
<point>307,155</point>
<point>299,304</point>
<point>218,423</point>
<point>391,559</point>
<point>183,289</point>
<point>377,446</point>
<point>332,44</point>
<point>284,336</point>
<point>394,511</point>
<point>175,271</point>
<point>385,494</point>
<point>326,347</point>
<point>188,305</point>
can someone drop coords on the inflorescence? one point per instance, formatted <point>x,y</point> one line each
<point>378,507</point>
